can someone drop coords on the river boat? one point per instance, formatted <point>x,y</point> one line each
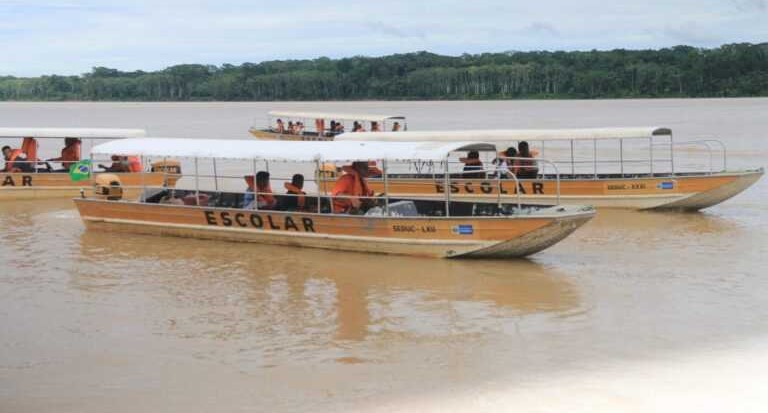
<point>322,126</point>
<point>34,178</point>
<point>641,168</point>
<point>448,227</point>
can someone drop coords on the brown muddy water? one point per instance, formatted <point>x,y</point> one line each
<point>637,311</point>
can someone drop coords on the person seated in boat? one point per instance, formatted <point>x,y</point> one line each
<point>472,163</point>
<point>351,194</point>
<point>299,128</point>
<point>15,160</point>
<point>295,189</point>
<point>504,162</point>
<point>261,195</point>
<point>396,127</point>
<point>280,128</point>
<point>291,128</point>
<point>70,155</point>
<point>375,127</point>
<point>332,128</point>
<point>339,128</point>
<point>119,165</point>
<point>357,127</point>
<point>525,168</point>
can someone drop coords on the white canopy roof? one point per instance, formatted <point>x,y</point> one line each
<point>335,116</point>
<point>86,133</point>
<point>284,150</point>
<point>501,135</point>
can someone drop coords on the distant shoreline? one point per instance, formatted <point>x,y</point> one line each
<point>733,70</point>
<point>378,101</point>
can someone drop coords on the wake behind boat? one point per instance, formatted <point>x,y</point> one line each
<point>348,217</point>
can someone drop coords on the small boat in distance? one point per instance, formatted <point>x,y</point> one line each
<point>26,176</point>
<point>635,167</point>
<point>381,224</point>
<point>322,126</point>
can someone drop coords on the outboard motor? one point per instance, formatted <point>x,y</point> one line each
<point>108,186</point>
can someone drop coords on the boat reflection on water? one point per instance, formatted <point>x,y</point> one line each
<point>298,304</point>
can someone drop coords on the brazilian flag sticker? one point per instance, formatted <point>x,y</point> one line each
<point>80,171</point>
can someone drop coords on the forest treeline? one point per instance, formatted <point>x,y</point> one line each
<point>682,71</point>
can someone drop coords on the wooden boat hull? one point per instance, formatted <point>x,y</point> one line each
<point>683,192</point>
<point>19,186</point>
<point>269,135</point>
<point>477,237</point>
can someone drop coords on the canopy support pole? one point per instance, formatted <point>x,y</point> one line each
<point>319,181</point>
<point>143,196</point>
<point>255,202</point>
<point>573,162</point>
<point>386,186</point>
<point>197,183</point>
<point>650,155</point>
<point>621,156</point>
<point>672,154</point>
<point>447,183</point>
<point>215,176</point>
<point>594,156</point>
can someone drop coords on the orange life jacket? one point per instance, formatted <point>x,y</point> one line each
<point>351,184</point>
<point>320,126</point>
<point>134,164</point>
<point>29,147</point>
<point>294,190</point>
<point>11,159</point>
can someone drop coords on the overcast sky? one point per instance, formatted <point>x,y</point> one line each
<point>71,36</point>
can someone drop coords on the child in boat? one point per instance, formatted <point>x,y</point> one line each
<point>295,189</point>
<point>396,127</point>
<point>262,194</point>
<point>119,165</point>
<point>472,163</point>
<point>15,160</point>
<point>350,193</point>
<point>525,168</point>
<point>504,163</point>
<point>69,155</point>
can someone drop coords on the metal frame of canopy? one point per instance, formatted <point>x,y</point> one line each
<point>89,135</point>
<point>308,152</point>
<point>543,136</point>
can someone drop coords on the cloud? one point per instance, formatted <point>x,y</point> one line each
<point>542,28</point>
<point>71,36</point>
<point>749,6</point>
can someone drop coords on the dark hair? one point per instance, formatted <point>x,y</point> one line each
<point>298,180</point>
<point>262,176</point>
<point>473,155</point>
<point>511,152</point>
<point>6,147</point>
<point>522,147</point>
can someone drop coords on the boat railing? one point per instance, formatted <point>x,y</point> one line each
<point>540,161</point>
<point>709,144</point>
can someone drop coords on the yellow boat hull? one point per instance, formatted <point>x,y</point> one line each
<point>682,192</point>
<point>21,186</point>
<point>496,237</point>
